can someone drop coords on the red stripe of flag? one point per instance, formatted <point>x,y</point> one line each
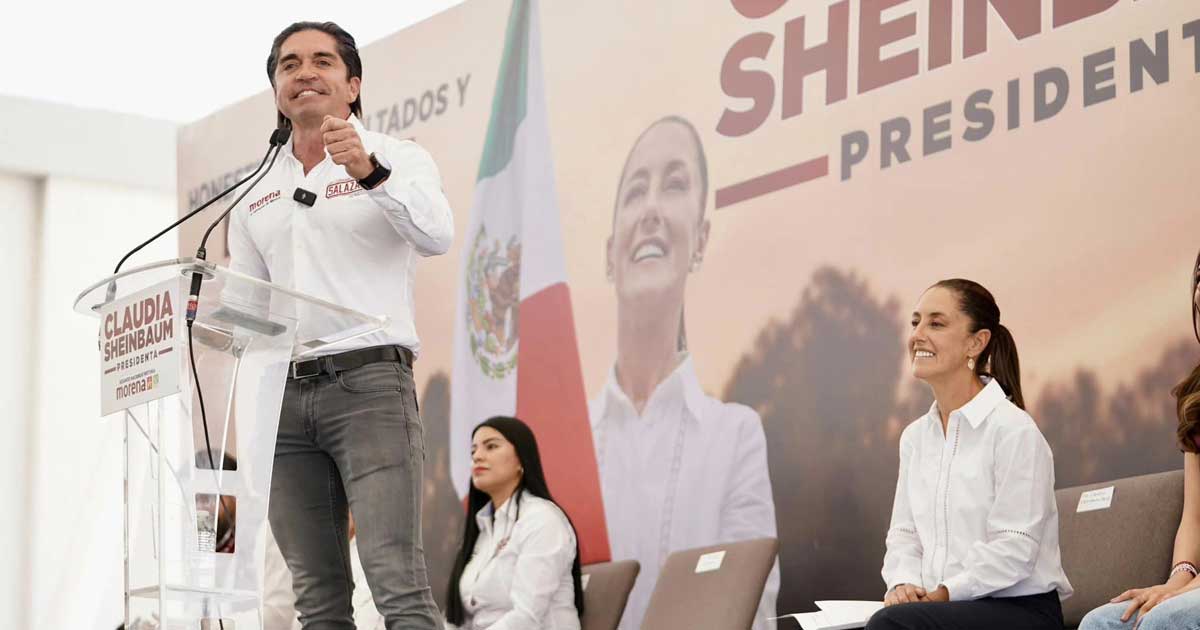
<point>551,400</point>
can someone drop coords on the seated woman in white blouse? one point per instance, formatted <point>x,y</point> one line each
<point>973,541</point>
<point>518,567</point>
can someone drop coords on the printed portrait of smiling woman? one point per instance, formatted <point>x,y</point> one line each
<point>678,468</point>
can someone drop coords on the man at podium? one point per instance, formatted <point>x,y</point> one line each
<point>344,216</point>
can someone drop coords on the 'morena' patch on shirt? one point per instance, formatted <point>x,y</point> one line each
<point>342,187</point>
<point>261,203</point>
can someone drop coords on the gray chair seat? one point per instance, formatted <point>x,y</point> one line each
<point>1127,545</point>
<point>605,592</point>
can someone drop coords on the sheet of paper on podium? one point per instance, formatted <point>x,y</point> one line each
<point>837,615</point>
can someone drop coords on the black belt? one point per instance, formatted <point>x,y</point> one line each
<point>348,360</point>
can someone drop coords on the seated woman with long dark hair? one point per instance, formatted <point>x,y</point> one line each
<point>518,567</point>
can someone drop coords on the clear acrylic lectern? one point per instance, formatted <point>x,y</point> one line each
<point>185,566</point>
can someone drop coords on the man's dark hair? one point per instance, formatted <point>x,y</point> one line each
<point>346,49</point>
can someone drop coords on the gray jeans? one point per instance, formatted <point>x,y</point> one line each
<point>352,441</point>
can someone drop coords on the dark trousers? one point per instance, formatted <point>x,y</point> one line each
<point>352,441</point>
<point>1031,612</point>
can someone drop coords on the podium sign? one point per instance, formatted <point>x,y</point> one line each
<point>141,347</point>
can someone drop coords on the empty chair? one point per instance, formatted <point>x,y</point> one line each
<point>711,588</point>
<point>606,587</point>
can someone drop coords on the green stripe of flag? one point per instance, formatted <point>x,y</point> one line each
<point>508,103</point>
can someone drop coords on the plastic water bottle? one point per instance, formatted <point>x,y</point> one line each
<point>204,560</point>
<point>206,532</point>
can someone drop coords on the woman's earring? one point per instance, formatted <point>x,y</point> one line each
<point>695,266</point>
<point>971,363</point>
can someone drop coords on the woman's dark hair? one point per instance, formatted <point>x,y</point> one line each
<point>701,166</point>
<point>1187,392</point>
<point>1187,407</point>
<point>346,49</point>
<point>533,481</point>
<point>999,357</point>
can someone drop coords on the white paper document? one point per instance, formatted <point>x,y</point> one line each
<point>837,615</point>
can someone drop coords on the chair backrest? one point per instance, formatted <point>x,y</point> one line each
<point>711,588</point>
<point>605,591</point>
<point>1126,545</point>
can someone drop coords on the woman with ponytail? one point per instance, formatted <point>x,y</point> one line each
<point>518,566</point>
<point>1175,603</point>
<point>973,541</point>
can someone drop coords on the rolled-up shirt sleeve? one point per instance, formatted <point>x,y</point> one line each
<point>902,560</point>
<point>413,201</point>
<point>1024,502</point>
<point>547,552</point>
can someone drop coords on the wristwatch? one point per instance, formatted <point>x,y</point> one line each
<point>381,172</point>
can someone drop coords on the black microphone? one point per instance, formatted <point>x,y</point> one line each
<point>201,253</point>
<point>305,197</point>
<point>279,137</point>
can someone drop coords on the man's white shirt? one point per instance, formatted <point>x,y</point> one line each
<point>690,471</point>
<point>974,507</point>
<point>354,247</point>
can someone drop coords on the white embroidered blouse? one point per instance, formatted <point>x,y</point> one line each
<point>974,507</point>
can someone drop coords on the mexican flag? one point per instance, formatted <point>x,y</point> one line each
<point>514,343</point>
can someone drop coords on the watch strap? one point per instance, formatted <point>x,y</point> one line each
<point>376,176</point>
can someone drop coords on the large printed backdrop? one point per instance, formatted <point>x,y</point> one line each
<point>1047,152</point>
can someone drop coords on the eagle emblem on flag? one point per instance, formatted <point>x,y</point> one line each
<point>493,296</point>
